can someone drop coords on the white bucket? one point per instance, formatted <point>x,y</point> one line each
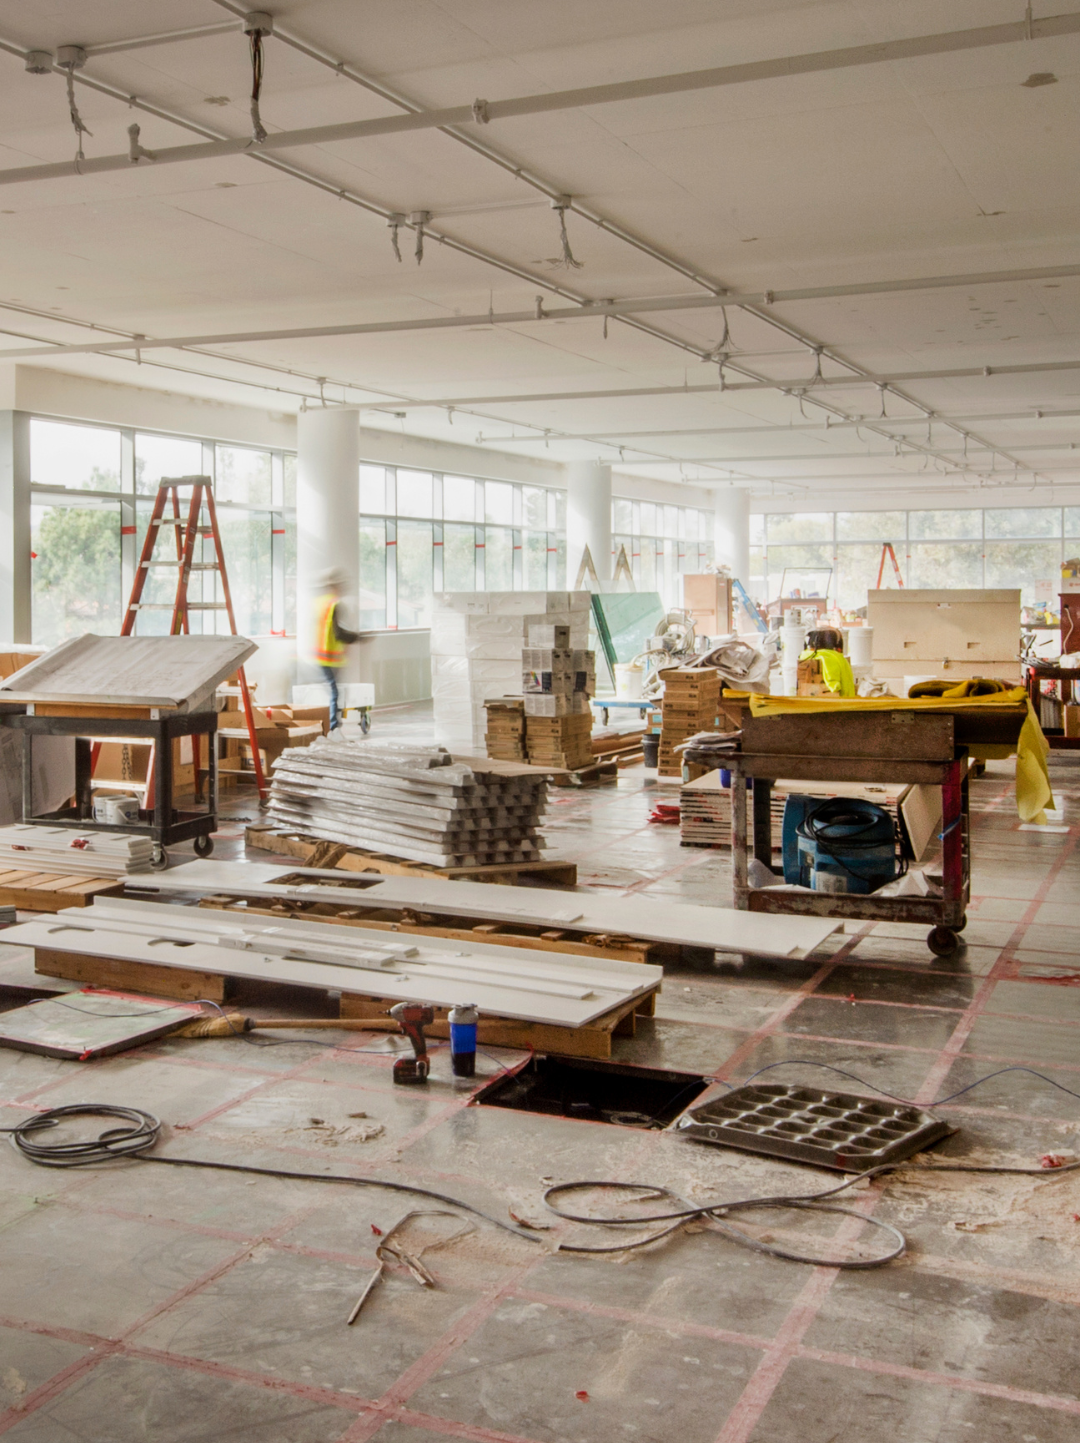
<point>116,811</point>
<point>792,640</point>
<point>860,645</point>
<point>629,678</point>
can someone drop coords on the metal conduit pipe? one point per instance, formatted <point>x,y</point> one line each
<point>612,309</point>
<point>484,111</point>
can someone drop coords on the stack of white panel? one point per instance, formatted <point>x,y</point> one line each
<point>410,802</point>
<point>477,639</point>
<point>67,851</point>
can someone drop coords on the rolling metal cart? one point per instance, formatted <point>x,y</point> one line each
<point>165,824</point>
<point>874,747</point>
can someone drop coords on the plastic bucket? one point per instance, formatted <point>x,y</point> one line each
<point>629,678</point>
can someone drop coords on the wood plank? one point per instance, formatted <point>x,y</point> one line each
<point>901,735</point>
<point>131,976</point>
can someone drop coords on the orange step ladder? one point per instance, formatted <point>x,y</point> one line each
<point>187,531</point>
<point>887,550</point>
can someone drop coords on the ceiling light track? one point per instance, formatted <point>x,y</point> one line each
<point>587,96</point>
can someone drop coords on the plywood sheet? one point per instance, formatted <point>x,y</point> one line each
<point>176,672</point>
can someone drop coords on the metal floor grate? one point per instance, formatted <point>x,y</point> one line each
<point>829,1129</point>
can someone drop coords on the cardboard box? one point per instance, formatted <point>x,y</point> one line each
<point>1072,720</point>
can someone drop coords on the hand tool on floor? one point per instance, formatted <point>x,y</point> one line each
<point>413,1017</point>
<point>233,1024</point>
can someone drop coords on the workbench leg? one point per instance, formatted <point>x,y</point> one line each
<point>952,836</point>
<point>739,841</point>
<point>163,786</point>
<point>763,821</point>
<point>84,805</point>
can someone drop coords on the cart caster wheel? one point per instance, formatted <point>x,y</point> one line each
<point>942,941</point>
<point>365,723</point>
<point>204,845</point>
<point>160,860</point>
<point>961,924</point>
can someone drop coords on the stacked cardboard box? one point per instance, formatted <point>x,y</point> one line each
<point>690,704</point>
<point>560,741</point>
<point>505,735</point>
<point>477,639</point>
<point>557,680</point>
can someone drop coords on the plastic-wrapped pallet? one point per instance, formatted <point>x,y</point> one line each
<point>477,639</point>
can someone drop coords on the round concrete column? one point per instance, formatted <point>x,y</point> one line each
<point>588,517</point>
<point>731,531</point>
<point>327,520</point>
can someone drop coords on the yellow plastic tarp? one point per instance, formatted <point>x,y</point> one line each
<point>1033,792</point>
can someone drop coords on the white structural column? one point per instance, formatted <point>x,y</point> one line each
<point>731,531</point>
<point>588,517</point>
<point>327,520</point>
<point>15,614</point>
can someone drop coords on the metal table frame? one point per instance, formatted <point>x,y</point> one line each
<point>945,914</point>
<point>167,825</point>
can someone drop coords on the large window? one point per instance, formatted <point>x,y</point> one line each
<point>662,544</point>
<point>92,495</point>
<point>422,532</point>
<point>1016,546</point>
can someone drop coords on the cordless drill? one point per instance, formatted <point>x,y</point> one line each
<point>412,1018</point>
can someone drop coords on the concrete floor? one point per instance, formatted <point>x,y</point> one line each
<point>167,1304</point>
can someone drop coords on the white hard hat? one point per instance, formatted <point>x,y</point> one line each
<point>334,576</point>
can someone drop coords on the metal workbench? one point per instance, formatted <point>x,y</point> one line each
<point>867,746</point>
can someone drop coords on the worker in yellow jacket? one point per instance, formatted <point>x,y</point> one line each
<point>826,645</point>
<point>331,638</point>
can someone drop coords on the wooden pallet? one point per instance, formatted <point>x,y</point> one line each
<point>465,929</point>
<point>311,852</point>
<point>601,773</point>
<point>44,891</point>
<point>593,1040</point>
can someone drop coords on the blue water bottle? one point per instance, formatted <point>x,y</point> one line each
<point>463,1022</point>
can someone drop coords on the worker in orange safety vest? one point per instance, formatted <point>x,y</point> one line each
<point>331,638</point>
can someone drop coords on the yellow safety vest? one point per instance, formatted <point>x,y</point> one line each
<point>835,670</point>
<point>328,650</point>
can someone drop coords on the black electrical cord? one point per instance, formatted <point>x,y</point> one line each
<point>142,1131</point>
<point>841,811</point>
<point>716,1212</point>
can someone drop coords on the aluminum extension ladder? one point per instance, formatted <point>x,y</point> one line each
<point>186,531</point>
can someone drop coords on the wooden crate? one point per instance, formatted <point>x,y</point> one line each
<point>45,891</point>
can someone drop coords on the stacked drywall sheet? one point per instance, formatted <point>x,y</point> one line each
<point>407,801</point>
<point>653,919</point>
<point>175,672</point>
<point>65,850</point>
<point>477,638</point>
<point>559,988</point>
